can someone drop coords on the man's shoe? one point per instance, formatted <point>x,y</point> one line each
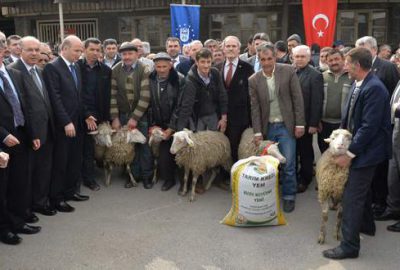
<point>28,229</point>
<point>338,254</point>
<point>32,218</point>
<point>147,184</point>
<point>10,238</point>
<point>92,186</point>
<point>394,228</point>
<point>64,207</point>
<point>378,209</point>
<point>46,211</point>
<point>167,185</point>
<point>79,197</point>
<point>288,206</point>
<point>387,215</point>
<point>301,188</point>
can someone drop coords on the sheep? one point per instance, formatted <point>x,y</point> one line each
<point>332,178</point>
<point>102,139</point>
<point>122,152</point>
<point>156,136</point>
<point>247,148</point>
<point>198,152</point>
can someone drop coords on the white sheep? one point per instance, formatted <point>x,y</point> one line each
<point>199,152</point>
<point>156,135</point>
<point>247,148</point>
<point>102,139</point>
<point>332,178</point>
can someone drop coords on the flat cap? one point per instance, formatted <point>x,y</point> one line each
<point>127,46</point>
<point>162,56</point>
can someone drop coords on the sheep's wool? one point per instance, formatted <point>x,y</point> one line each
<point>255,193</point>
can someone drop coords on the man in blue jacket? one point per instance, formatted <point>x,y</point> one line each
<point>367,117</point>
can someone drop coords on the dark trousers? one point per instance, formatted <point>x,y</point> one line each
<point>380,183</point>
<point>357,211</point>
<point>326,131</point>
<point>234,134</point>
<point>305,154</point>
<point>88,169</point>
<point>41,165</point>
<point>166,162</point>
<point>67,164</point>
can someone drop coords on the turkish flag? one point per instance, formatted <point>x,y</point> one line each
<point>320,21</point>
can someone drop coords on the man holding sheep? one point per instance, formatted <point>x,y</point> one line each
<point>367,117</point>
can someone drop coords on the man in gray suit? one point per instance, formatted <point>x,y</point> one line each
<point>277,112</point>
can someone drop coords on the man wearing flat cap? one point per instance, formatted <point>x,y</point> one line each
<point>166,85</point>
<point>130,99</point>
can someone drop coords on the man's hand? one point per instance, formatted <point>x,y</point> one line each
<point>91,123</point>
<point>132,124</point>
<point>167,134</point>
<point>11,141</point>
<point>4,157</point>
<point>257,140</point>
<point>312,130</point>
<point>343,160</point>
<point>116,124</point>
<point>36,144</point>
<point>222,123</point>
<point>70,130</point>
<point>298,132</point>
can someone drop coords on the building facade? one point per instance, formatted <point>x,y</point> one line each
<point>150,19</point>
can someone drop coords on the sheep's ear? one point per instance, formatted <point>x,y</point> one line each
<point>189,141</point>
<point>276,143</point>
<point>113,131</point>
<point>328,140</point>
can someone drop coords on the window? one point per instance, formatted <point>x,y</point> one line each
<point>354,24</point>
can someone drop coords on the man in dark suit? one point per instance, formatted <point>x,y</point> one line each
<point>312,87</point>
<point>63,81</point>
<point>14,46</point>
<point>96,94</point>
<point>235,74</point>
<point>277,112</point>
<point>388,74</point>
<point>39,115</point>
<point>184,67</point>
<point>367,117</point>
<point>173,48</point>
<point>110,48</point>
<point>14,180</point>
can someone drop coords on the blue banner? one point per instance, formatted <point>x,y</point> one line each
<point>185,22</point>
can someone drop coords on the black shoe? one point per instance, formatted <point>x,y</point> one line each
<point>10,238</point>
<point>394,228</point>
<point>46,211</point>
<point>92,185</point>
<point>28,229</point>
<point>64,207</point>
<point>128,184</point>
<point>387,215</point>
<point>78,197</point>
<point>378,209</point>
<point>147,183</point>
<point>338,254</point>
<point>32,218</point>
<point>301,188</point>
<point>167,185</point>
<point>288,206</point>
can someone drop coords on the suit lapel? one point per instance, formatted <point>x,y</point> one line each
<point>277,75</point>
<point>4,96</point>
<point>68,71</point>
<point>263,89</point>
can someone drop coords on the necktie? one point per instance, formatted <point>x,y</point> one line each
<point>350,125</point>
<point>36,80</point>
<point>13,99</point>
<point>228,78</point>
<point>73,72</point>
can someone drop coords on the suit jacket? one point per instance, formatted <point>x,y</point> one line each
<point>371,117</point>
<point>39,113</point>
<point>252,60</point>
<point>7,125</point>
<point>64,94</point>
<point>288,91</point>
<point>312,87</point>
<point>239,112</point>
<point>386,72</point>
<point>184,67</point>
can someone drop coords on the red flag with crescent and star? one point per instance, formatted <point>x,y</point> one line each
<point>320,21</point>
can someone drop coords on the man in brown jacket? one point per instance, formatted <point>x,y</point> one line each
<point>277,112</point>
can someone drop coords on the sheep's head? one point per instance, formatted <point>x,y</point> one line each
<point>271,148</point>
<point>181,139</point>
<point>102,136</point>
<point>156,135</point>
<point>339,141</point>
<point>135,136</point>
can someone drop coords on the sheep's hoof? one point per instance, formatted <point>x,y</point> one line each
<point>134,184</point>
<point>321,239</point>
<point>129,185</point>
<point>182,193</point>
<point>192,198</point>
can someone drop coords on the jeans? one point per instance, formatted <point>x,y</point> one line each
<point>277,132</point>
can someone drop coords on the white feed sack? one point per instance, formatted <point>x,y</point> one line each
<point>255,193</point>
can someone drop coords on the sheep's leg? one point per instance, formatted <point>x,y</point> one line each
<point>212,177</point>
<point>107,170</point>
<point>333,204</point>
<point>322,233</point>
<point>155,172</point>
<point>185,182</point>
<point>336,234</point>
<point>131,178</point>
<point>193,193</point>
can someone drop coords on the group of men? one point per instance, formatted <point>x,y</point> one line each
<point>280,90</point>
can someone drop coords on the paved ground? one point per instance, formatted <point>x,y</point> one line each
<point>148,229</point>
